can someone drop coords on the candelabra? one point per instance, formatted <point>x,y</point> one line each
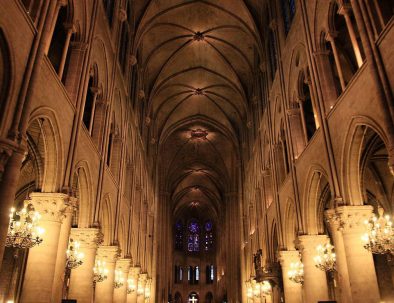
<point>131,287</point>
<point>379,236</point>
<point>119,280</point>
<point>23,229</point>
<point>265,287</point>
<point>325,259</point>
<point>296,272</point>
<point>100,271</point>
<point>74,256</point>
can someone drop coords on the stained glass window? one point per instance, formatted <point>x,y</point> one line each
<point>288,12</point>
<point>193,242</point>
<point>208,241</point>
<point>178,235</point>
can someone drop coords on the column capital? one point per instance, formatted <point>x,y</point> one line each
<point>132,60</point>
<point>51,206</point>
<point>331,35</point>
<point>142,277</point>
<point>123,265</point>
<point>352,218</point>
<point>344,9</point>
<point>79,45</point>
<point>108,253</point>
<point>134,271</point>
<point>87,237</point>
<point>295,111</point>
<point>122,14</point>
<point>309,242</point>
<point>289,256</point>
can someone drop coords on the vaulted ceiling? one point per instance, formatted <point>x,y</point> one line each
<point>196,64</point>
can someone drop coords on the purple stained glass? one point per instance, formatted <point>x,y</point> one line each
<point>208,226</point>
<point>193,227</point>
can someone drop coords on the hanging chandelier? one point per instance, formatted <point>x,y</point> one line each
<point>147,292</point>
<point>74,256</point>
<point>266,287</point>
<point>119,280</point>
<point>379,238</point>
<point>325,259</point>
<point>296,272</point>
<point>23,229</point>
<point>100,272</point>
<point>131,287</point>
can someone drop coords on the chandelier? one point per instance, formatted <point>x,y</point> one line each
<point>119,280</point>
<point>325,258</point>
<point>147,292</point>
<point>23,229</point>
<point>265,287</point>
<point>74,256</point>
<point>379,238</point>
<point>100,272</point>
<point>296,272</point>
<point>131,286</point>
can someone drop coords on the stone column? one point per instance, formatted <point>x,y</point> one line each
<point>341,264</point>
<point>41,263</point>
<point>105,290</point>
<point>133,276</point>
<point>120,293</point>
<point>58,282</point>
<point>81,282</point>
<point>315,280</point>
<point>362,276</point>
<point>330,37</point>
<point>70,29</point>
<point>141,287</point>
<point>297,137</point>
<point>292,290</point>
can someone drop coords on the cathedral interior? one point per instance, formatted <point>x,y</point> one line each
<point>185,151</point>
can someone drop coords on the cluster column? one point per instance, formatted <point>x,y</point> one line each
<point>81,282</point>
<point>315,280</point>
<point>41,263</point>
<point>361,269</point>
<point>105,290</point>
<point>292,290</point>
<point>123,265</point>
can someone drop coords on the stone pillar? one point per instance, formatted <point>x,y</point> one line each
<point>297,133</point>
<point>105,290</point>
<point>81,282</point>
<point>61,259</point>
<point>362,276</point>
<point>141,287</point>
<point>133,277</point>
<point>41,263</point>
<point>120,293</point>
<point>341,264</point>
<point>292,290</point>
<point>315,280</point>
<point>330,37</point>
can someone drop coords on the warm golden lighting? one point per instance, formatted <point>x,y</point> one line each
<point>325,259</point>
<point>100,271</point>
<point>379,236</point>
<point>23,229</point>
<point>74,256</point>
<point>266,287</point>
<point>296,272</point>
<point>131,287</point>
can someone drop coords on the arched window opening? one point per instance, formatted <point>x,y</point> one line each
<point>60,42</point>
<point>123,44</point>
<point>334,68</point>
<point>380,12</point>
<point>110,144</point>
<point>210,274</point>
<point>109,6</point>
<point>90,102</point>
<point>178,235</point>
<point>178,298</point>
<point>308,111</point>
<point>209,297</point>
<point>178,274</point>
<point>197,275</point>
<point>288,12</point>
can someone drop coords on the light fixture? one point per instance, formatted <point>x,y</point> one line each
<point>140,289</point>
<point>147,292</point>
<point>119,280</point>
<point>74,256</point>
<point>266,287</point>
<point>325,259</point>
<point>379,236</point>
<point>100,272</point>
<point>23,229</point>
<point>256,289</point>
<point>131,286</point>
<point>296,272</point>
<point>250,292</point>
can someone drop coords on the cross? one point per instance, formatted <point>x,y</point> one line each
<point>193,300</point>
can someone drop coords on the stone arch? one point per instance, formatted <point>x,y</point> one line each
<point>106,220</point>
<point>290,225</point>
<point>85,194</point>
<point>313,206</point>
<point>43,121</point>
<point>352,154</point>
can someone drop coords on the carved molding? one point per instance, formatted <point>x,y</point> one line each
<point>87,237</point>
<point>352,218</point>
<point>51,206</point>
<point>123,265</point>
<point>108,254</point>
